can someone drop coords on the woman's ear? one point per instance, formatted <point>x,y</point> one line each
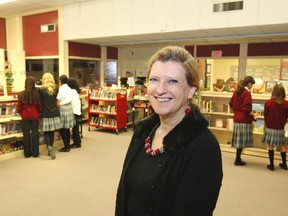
<point>192,92</point>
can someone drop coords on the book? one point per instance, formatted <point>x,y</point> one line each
<point>258,109</point>
<point>258,126</point>
<point>226,108</point>
<point>219,123</point>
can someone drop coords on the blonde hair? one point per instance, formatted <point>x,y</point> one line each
<point>181,56</point>
<point>48,83</point>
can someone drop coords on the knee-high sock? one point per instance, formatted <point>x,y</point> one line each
<point>271,157</point>
<point>238,154</point>
<point>283,156</point>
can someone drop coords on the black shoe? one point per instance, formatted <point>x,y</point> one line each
<point>283,166</point>
<point>239,163</point>
<point>75,146</point>
<point>270,167</point>
<point>64,149</point>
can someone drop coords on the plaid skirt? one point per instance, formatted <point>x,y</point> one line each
<point>67,116</point>
<point>242,135</point>
<point>274,137</point>
<point>50,124</point>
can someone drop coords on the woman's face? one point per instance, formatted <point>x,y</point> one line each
<point>167,88</point>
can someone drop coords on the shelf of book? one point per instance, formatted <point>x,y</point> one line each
<point>10,131</point>
<point>215,107</point>
<point>107,109</point>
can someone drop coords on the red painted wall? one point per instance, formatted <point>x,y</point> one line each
<point>230,50</point>
<point>36,43</point>
<point>3,33</point>
<point>268,49</point>
<point>84,50</point>
<point>112,53</point>
<point>190,49</point>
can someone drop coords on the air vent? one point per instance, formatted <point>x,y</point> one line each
<point>48,28</point>
<point>228,6</point>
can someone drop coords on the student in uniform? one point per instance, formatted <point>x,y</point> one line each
<point>275,117</point>
<point>241,103</point>
<point>50,114</point>
<point>76,105</point>
<point>64,102</point>
<point>29,107</point>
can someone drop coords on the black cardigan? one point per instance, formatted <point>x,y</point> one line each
<point>191,175</point>
<point>50,108</point>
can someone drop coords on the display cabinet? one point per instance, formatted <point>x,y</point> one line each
<point>107,109</point>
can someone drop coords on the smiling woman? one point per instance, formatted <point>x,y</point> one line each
<point>179,158</point>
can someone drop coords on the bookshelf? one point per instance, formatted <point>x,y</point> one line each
<point>107,109</point>
<point>214,106</point>
<point>10,131</point>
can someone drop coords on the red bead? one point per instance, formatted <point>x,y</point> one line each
<point>148,140</point>
<point>188,111</point>
<point>157,152</point>
<point>149,152</point>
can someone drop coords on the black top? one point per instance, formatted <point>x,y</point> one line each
<point>190,177</point>
<point>49,104</point>
<point>139,182</point>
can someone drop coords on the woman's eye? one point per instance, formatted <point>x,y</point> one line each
<point>153,80</point>
<point>172,82</point>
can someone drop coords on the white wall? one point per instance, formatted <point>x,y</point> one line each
<point>100,18</point>
<point>135,58</point>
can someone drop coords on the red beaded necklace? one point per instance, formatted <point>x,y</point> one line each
<point>148,140</point>
<point>148,148</point>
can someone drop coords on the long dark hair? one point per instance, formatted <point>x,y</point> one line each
<point>72,83</point>
<point>278,93</point>
<point>30,95</point>
<point>243,83</point>
<point>64,79</point>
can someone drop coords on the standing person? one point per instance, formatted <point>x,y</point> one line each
<point>76,104</point>
<point>29,107</point>
<point>241,103</point>
<point>275,117</point>
<point>50,114</point>
<point>64,102</point>
<point>173,166</point>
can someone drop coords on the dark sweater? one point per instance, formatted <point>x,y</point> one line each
<point>191,174</point>
<point>242,107</point>
<point>275,114</point>
<point>49,104</point>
